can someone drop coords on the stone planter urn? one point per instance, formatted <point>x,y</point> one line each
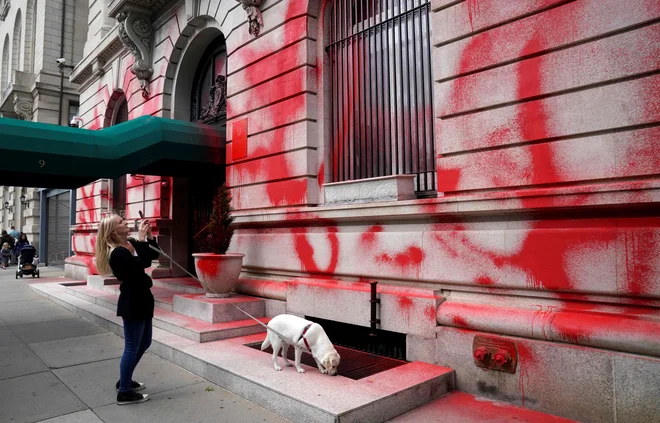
<point>218,272</point>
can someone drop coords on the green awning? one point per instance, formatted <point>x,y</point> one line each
<point>50,156</point>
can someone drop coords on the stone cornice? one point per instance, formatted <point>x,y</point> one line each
<point>94,63</point>
<point>619,195</point>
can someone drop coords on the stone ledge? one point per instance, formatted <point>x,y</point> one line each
<point>614,195</point>
<point>384,188</point>
<point>619,328</point>
<point>403,310</point>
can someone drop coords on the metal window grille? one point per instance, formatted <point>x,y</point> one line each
<point>382,93</point>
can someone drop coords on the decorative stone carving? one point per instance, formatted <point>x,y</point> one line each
<point>255,19</point>
<point>136,32</point>
<point>5,5</point>
<point>22,107</point>
<point>216,109</point>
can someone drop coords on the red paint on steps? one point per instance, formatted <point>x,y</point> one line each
<point>467,408</point>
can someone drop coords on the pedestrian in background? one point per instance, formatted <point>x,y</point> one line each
<point>126,259</point>
<point>5,255</point>
<point>22,242</point>
<point>14,233</point>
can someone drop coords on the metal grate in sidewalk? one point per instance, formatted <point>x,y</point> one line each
<point>354,364</point>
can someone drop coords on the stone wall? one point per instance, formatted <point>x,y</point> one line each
<point>547,161</point>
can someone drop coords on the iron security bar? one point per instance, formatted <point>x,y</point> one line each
<point>382,93</point>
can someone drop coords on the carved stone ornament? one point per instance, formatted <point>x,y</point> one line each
<point>136,32</point>
<point>217,107</point>
<point>254,15</point>
<point>23,108</point>
<point>5,5</point>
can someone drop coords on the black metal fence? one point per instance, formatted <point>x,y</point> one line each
<point>382,93</point>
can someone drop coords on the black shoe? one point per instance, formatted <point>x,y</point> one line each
<point>135,386</point>
<point>132,397</point>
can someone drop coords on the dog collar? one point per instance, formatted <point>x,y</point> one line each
<point>303,337</point>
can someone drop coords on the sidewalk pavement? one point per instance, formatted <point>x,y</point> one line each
<point>58,368</point>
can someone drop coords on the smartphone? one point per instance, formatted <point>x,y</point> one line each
<point>137,222</point>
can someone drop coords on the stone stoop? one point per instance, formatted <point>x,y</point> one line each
<point>234,365</point>
<point>217,310</point>
<point>188,285</point>
<point>164,318</point>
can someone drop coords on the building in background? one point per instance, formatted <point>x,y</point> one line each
<point>498,156</point>
<point>34,85</point>
<point>20,207</point>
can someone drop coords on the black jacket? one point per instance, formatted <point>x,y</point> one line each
<point>135,299</point>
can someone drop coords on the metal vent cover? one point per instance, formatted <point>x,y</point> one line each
<point>354,364</point>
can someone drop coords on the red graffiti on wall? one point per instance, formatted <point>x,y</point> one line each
<point>405,306</point>
<point>411,257</point>
<point>369,239</point>
<point>305,251</point>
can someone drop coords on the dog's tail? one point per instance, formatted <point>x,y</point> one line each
<point>266,343</point>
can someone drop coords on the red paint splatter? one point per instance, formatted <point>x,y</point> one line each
<point>207,268</point>
<point>405,305</point>
<point>430,311</point>
<point>320,177</point>
<point>411,257</point>
<point>369,238</point>
<point>459,321</point>
<point>305,251</point>
<point>485,280</point>
<point>642,248</point>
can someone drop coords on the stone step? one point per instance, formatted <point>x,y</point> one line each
<point>99,282</point>
<point>184,326</point>
<point>163,297</point>
<point>467,408</point>
<point>216,310</point>
<point>248,372</point>
<point>188,285</point>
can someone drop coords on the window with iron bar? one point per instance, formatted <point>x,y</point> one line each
<point>382,91</point>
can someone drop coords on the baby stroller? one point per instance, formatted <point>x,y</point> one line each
<point>27,264</point>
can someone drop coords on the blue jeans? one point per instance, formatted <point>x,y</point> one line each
<point>137,338</point>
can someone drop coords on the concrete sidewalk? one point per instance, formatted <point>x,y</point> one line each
<point>57,367</point>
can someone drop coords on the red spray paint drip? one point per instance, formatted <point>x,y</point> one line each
<point>405,305</point>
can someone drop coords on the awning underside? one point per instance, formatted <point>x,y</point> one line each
<point>50,156</point>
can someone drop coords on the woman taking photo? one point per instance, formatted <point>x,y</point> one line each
<point>126,259</point>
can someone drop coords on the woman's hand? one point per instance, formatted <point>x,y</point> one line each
<point>144,231</point>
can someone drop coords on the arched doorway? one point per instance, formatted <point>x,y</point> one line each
<point>207,106</point>
<point>198,95</point>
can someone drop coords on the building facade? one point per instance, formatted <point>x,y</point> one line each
<point>492,164</point>
<point>34,86</point>
<point>20,208</point>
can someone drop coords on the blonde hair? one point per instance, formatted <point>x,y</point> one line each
<point>106,241</point>
<point>6,243</point>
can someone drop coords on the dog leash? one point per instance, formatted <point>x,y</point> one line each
<point>213,290</point>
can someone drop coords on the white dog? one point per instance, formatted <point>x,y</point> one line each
<point>303,335</point>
